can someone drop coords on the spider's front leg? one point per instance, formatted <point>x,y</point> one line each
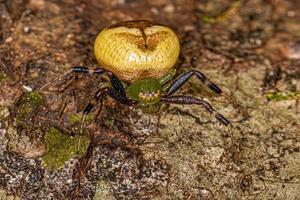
<point>115,91</point>
<point>181,99</point>
<point>75,70</point>
<point>183,78</point>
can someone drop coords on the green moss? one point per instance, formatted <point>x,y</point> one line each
<point>78,117</point>
<point>280,96</point>
<point>29,103</point>
<point>26,138</point>
<point>62,147</point>
<point>209,20</point>
<point>2,76</point>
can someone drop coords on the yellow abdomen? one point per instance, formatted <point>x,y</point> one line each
<point>136,50</point>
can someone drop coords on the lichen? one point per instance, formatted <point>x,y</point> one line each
<point>103,191</point>
<point>62,147</point>
<point>6,196</point>
<point>280,96</point>
<point>4,113</point>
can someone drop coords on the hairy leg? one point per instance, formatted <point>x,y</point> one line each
<point>181,99</point>
<point>113,93</point>
<point>183,78</point>
<point>114,88</point>
<point>73,70</point>
<point>110,92</point>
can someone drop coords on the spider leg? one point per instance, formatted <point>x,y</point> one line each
<point>183,78</point>
<point>117,90</point>
<point>181,99</point>
<point>110,92</point>
<point>77,69</point>
<point>116,83</point>
<point>113,93</point>
<point>114,90</point>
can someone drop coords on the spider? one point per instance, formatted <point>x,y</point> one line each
<point>138,58</point>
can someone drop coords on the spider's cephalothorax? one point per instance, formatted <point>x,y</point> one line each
<point>147,93</point>
<point>138,57</point>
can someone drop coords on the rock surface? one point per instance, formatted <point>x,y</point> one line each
<point>249,48</point>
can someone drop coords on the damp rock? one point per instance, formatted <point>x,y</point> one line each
<point>4,195</point>
<point>130,121</point>
<point>129,175</point>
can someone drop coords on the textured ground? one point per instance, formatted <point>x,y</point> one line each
<point>249,48</point>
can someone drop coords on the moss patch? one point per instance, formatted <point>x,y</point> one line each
<point>76,118</point>
<point>62,147</point>
<point>28,105</point>
<point>280,96</point>
<point>26,133</point>
<point>2,77</point>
